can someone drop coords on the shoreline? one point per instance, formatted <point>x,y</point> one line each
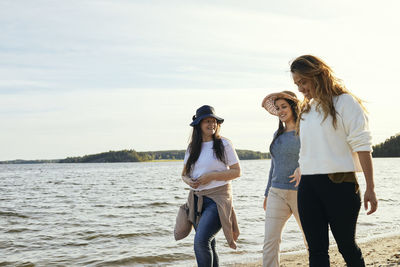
<point>380,251</point>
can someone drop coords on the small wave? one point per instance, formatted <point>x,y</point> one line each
<point>72,244</point>
<point>92,237</point>
<point>165,258</point>
<point>12,214</point>
<point>5,244</point>
<point>129,235</point>
<point>126,235</point>
<point>126,207</point>
<point>159,204</point>
<point>366,224</point>
<point>109,216</point>
<point>6,263</point>
<point>46,237</point>
<point>387,200</point>
<point>133,206</point>
<point>55,182</point>
<point>153,233</point>
<point>17,264</point>
<point>17,230</point>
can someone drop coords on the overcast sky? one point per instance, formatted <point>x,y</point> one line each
<point>83,77</point>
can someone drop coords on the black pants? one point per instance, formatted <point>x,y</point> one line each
<point>323,204</point>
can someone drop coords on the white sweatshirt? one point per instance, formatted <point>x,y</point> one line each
<point>324,149</point>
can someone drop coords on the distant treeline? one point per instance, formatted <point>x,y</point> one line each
<point>133,156</point>
<point>22,161</point>
<point>389,148</point>
<point>111,156</point>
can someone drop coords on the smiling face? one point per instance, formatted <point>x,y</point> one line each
<point>304,85</point>
<point>284,110</point>
<point>208,128</point>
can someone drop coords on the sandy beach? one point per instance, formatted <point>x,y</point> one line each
<point>378,252</point>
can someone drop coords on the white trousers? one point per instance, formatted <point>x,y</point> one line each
<point>281,204</point>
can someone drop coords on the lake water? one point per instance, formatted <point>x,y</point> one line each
<point>123,214</point>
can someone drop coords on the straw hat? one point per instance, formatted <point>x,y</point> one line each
<point>269,101</point>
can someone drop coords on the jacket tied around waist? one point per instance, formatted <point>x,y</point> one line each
<point>189,216</point>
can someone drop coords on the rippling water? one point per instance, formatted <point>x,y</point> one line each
<point>123,214</point>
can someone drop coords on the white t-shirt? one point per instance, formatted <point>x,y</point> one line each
<point>208,162</point>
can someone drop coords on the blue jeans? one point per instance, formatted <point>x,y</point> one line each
<point>204,240</point>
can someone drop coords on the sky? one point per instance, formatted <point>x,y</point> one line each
<point>80,77</point>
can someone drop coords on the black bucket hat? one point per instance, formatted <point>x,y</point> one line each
<point>204,112</point>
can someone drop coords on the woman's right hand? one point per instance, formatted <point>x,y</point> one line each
<point>265,203</point>
<point>191,182</point>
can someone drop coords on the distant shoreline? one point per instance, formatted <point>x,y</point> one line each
<point>388,149</point>
<point>43,161</point>
<point>133,156</point>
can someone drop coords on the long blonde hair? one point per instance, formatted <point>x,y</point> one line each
<point>325,83</point>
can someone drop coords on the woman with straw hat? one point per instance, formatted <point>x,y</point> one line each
<point>280,200</point>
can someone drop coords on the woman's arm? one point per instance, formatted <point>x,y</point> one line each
<point>271,170</point>
<point>230,174</point>
<point>358,136</point>
<point>192,183</point>
<point>369,195</point>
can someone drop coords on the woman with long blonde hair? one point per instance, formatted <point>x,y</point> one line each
<point>335,143</point>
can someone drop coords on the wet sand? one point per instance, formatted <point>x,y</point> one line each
<point>378,252</point>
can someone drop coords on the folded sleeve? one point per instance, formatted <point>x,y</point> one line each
<point>355,123</point>
<point>230,153</point>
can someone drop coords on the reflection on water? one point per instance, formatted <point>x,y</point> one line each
<point>122,214</point>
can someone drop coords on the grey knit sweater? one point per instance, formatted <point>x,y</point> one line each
<point>284,160</point>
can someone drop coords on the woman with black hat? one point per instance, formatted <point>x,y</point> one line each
<point>209,165</point>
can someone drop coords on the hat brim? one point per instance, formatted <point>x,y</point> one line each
<point>269,101</point>
<point>197,120</point>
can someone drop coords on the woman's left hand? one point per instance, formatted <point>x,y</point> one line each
<point>296,177</point>
<point>370,197</point>
<point>204,179</point>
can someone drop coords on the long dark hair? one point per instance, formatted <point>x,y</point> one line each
<point>195,147</point>
<point>281,128</point>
